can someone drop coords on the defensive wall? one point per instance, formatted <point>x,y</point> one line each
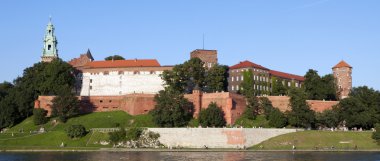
<point>216,137</point>
<point>233,105</point>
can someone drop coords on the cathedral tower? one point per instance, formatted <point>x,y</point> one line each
<point>342,74</point>
<point>50,51</point>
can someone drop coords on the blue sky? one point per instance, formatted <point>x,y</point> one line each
<point>287,35</point>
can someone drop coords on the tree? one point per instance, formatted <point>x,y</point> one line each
<point>114,57</point>
<point>216,79</point>
<point>277,119</point>
<point>301,115</point>
<point>185,77</point>
<point>65,105</point>
<point>117,136</point>
<point>76,131</point>
<point>356,114</point>
<point>133,133</point>
<point>329,87</point>
<point>253,107</point>
<point>328,118</point>
<point>247,88</point>
<point>171,109</point>
<point>376,133</point>
<point>278,88</point>
<point>39,116</point>
<point>313,85</point>
<point>266,106</point>
<point>213,116</point>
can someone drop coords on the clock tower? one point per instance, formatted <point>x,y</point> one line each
<point>50,51</point>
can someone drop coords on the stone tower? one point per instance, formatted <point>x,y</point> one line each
<point>50,51</point>
<point>342,74</point>
<point>209,57</point>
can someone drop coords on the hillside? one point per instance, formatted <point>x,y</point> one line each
<point>24,136</point>
<point>320,140</point>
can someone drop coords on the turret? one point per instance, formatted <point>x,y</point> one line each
<point>50,51</point>
<point>342,74</point>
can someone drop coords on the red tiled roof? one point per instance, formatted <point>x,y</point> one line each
<point>342,64</point>
<point>123,63</point>
<point>286,75</point>
<point>247,64</point>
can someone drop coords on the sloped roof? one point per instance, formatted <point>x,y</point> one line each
<point>342,64</point>
<point>286,75</point>
<point>123,63</point>
<point>247,64</point>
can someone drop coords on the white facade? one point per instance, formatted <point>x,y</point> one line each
<point>114,83</point>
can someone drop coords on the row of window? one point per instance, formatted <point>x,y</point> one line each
<point>255,77</point>
<point>256,87</point>
<point>124,72</point>
<point>253,69</point>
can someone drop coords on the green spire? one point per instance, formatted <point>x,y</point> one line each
<point>50,50</point>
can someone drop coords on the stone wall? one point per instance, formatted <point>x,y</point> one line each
<point>216,137</point>
<point>282,103</point>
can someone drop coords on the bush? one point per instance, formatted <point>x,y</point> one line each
<point>376,133</point>
<point>213,116</point>
<point>39,116</point>
<point>65,105</point>
<point>76,131</point>
<point>117,136</point>
<point>133,133</point>
<point>277,119</point>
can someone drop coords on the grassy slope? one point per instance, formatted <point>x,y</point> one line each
<point>56,134</point>
<point>308,140</point>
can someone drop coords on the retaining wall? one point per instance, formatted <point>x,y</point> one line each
<point>216,137</point>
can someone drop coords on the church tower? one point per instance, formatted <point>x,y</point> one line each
<point>342,74</point>
<point>50,51</point>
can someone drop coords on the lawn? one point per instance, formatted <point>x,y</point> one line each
<point>23,135</point>
<point>321,140</point>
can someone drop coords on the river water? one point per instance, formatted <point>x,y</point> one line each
<point>189,156</point>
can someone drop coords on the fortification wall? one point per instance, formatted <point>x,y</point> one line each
<point>216,137</point>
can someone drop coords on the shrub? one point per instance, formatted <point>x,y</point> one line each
<point>133,133</point>
<point>376,133</point>
<point>213,116</point>
<point>76,131</point>
<point>117,136</point>
<point>39,116</point>
<point>277,119</point>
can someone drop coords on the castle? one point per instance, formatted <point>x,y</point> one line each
<point>130,85</point>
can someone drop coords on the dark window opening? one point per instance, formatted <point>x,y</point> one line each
<point>114,107</point>
<point>105,107</point>
<point>110,101</point>
<point>49,47</point>
<point>101,101</point>
<point>49,31</point>
<point>91,80</point>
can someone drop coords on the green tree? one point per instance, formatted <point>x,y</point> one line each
<point>266,106</point>
<point>328,118</point>
<point>76,131</point>
<point>313,85</point>
<point>376,133</point>
<point>329,87</point>
<point>301,115</point>
<point>278,88</point>
<point>247,86</point>
<point>134,133</point>
<point>356,114</point>
<point>114,57</point>
<point>253,108</point>
<point>65,105</point>
<point>39,116</point>
<point>213,116</point>
<point>216,79</point>
<point>277,119</point>
<point>171,109</point>
<point>117,136</point>
<point>185,77</point>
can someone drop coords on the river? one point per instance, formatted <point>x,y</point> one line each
<point>189,156</point>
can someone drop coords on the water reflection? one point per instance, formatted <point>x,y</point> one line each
<point>189,156</point>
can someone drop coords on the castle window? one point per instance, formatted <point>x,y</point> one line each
<point>105,73</point>
<point>136,72</point>
<point>232,79</point>
<point>49,47</point>
<point>242,78</point>
<point>121,72</point>
<point>49,31</point>
<point>114,107</point>
<point>110,101</point>
<point>90,87</point>
<point>90,80</point>
<point>232,88</point>
<point>152,72</point>
<point>101,101</point>
<point>105,107</point>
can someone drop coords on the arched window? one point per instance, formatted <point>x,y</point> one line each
<point>49,47</point>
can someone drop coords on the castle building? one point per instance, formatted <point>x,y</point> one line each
<point>209,57</point>
<point>342,74</point>
<point>262,78</point>
<point>121,77</point>
<point>50,51</point>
